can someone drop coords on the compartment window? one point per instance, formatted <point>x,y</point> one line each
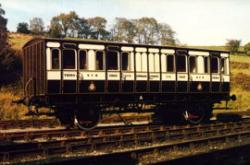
<point>224,67</point>
<point>83,59</point>
<point>181,63</point>
<point>192,64</point>
<point>125,61</point>
<point>206,61</point>
<point>154,62</point>
<point>214,65</point>
<point>99,60</point>
<point>55,59</point>
<point>170,63</point>
<point>112,60</point>
<point>69,59</point>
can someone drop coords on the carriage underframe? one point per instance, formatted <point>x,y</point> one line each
<point>86,110</point>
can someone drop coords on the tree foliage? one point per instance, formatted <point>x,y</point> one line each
<point>10,63</point>
<point>247,48</point>
<point>166,34</point>
<point>123,30</point>
<point>145,30</point>
<point>84,30</point>
<point>37,26</point>
<point>233,45</point>
<point>98,28</point>
<point>23,27</point>
<point>65,25</point>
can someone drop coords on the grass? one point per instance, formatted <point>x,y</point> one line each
<point>9,110</point>
<point>17,41</point>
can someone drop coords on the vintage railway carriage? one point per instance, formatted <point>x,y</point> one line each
<point>79,79</point>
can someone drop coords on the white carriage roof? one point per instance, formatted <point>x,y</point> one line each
<point>92,41</point>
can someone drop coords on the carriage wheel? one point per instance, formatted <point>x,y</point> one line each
<point>66,117</point>
<point>86,118</point>
<point>195,114</point>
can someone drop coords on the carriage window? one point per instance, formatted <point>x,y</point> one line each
<point>83,59</point>
<point>55,59</point>
<point>170,63</point>
<point>125,59</point>
<point>224,67</point>
<point>112,60</point>
<point>181,63</point>
<point>99,60</point>
<point>192,64</point>
<point>214,65</point>
<point>68,59</point>
<point>206,64</point>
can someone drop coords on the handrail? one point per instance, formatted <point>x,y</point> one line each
<point>27,84</point>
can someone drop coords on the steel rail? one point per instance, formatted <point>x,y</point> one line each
<point>63,133</point>
<point>107,142</point>
<point>36,123</point>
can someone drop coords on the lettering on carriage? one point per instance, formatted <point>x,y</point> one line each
<point>182,76</point>
<point>199,77</point>
<point>92,75</point>
<point>127,75</point>
<point>153,77</point>
<point>69,75</point>
<point>168,76</point>
<point>216,77</point>
<point>113,75</point>
<point>142,76</point>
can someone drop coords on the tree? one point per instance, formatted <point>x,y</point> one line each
<point>123,30</point>
<point>64,25</point>
<point>10,64</point>
<point>233,45</point>
<point>22,27</point>
<point>166,34</point>
<point>98,28</point>
<point>3,31</point>
<point>37,26</point>
<point>55,29</point>
<point>247,48</point>
<point>84,30</point>
<point>146,30</point>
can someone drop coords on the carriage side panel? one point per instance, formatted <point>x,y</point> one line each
<point>34,69</point>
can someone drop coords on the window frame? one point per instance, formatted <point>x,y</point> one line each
<point>130,66</point>
<point>226,66</point>
<point>79,62</point>
<point>208,64</point>
<point>218,65</point>
<point>103,60</point>
<point>186,67</point>
<point>76,63</point>
<point>196,64</point>
<point>118,60</point>
<point>51,58</point>
<point>174,70</point>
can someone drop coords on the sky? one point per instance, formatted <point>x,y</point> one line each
<point>196,22</point>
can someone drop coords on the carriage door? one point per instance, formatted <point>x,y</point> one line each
<point>215,72</point>
<point>224,68</point>
<point>113,68</point>
<point>69,68</point>
<point>181,69</point>
<point>127,69</point>
<point>199,77</point>
<point>154,69</point>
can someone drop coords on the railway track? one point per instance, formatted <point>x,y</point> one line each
<point>21,124</point>
<point>42,145</point>
<point>51,123</point>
